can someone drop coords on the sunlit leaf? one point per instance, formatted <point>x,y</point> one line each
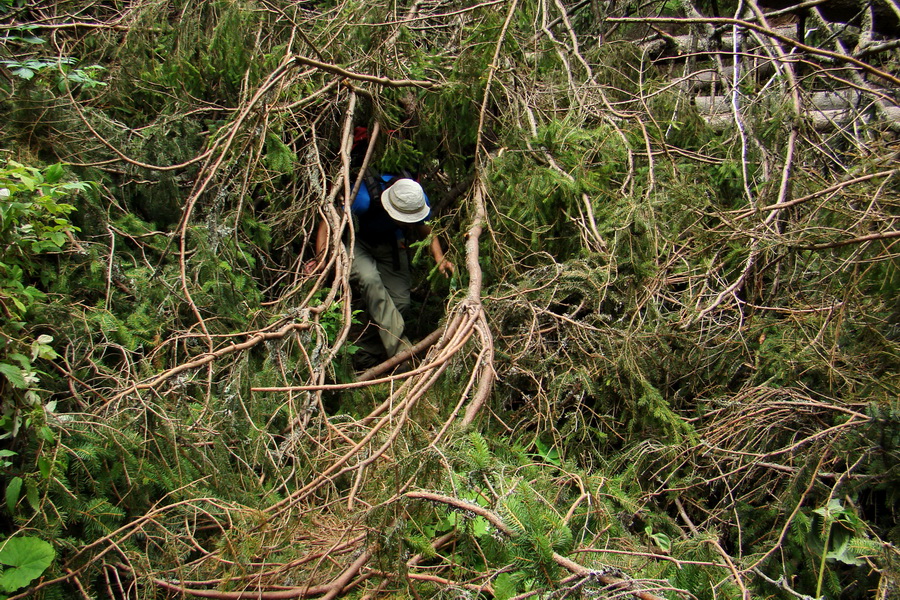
<point>29,558</point>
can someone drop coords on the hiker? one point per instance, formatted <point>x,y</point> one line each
<point>384,221</point>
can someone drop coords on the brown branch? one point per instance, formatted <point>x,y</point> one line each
<point>204,359</point>
<point>790,519</point>
<point>122,156</point>
<point>425,368</point>
<point>327,591</point>
<point>340,584</point>
<point>385,81</point>
<point>889,235</point>
<point>664,557</point>
<point>834,188</point>
<point>491,517</point>
<point>401,402</point>
<point>277,74</point>
<point>297,592</point>
<point>109,26</point>
<point>766,32</point>
<point>411,18</point>
<point>134,526</point>
<point>401,357</point>
<point>745,593</point>
<point>562,561</point>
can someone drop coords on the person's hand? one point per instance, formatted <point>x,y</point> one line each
<point>311,266</point>
<point>447,268</point>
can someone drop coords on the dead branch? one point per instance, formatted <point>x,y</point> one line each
<point>562,561</point>
<point>255,338</point>
<point>872,237</point>
<point>416,349</point>
<point>774,35</point>
<point>385,81</point>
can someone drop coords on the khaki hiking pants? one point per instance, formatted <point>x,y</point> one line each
<point>382,274</point>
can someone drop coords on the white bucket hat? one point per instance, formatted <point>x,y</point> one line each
<point>405,201</point>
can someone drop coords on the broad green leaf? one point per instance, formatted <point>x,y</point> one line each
<point>548,453</point>
<point>834,507</point>
<point>46,434</point>
<point>34,293</point>
<point>663,541</point>
<point>58,238</point>
<point>45,466</point>
<point>13,491</point>
<point>14,375</point>
<point>24,73</point>
<point>41,349</point>
<point>31,494</point>
<point>29,181</point>
<point>21,359</point>
<point>29,557</point>
<point>480,527</point>
<point>19,305</point>
<point>843,552</point>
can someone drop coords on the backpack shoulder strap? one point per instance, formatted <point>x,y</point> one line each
<point>376,185</point>
<point>373,184</point>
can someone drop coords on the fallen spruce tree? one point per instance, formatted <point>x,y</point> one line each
<point>666,368</point>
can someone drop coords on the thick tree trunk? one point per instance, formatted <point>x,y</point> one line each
<point>823,110</point>
<point>884,16</point>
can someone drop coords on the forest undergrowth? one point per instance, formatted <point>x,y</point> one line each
<point>667,366</point>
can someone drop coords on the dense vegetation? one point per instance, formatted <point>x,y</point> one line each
<point>668,367</point>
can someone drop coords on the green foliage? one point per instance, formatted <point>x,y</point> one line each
<point>279,157</point>
<point>210,51</point>
<point>591,163</point>
<point>59,69</point>
<point>616,218</point>
<point>540,533</point>
<point>399,155</point>
<point>832,531</point>
<point>479,455</point>
<point>663,541</point>
<point>26,558</point>
<point>704,582</point>
<point>26,36</point>
<point>34,222</point>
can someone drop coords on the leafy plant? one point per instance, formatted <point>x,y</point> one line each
<point>659,538</point>
<point>25,36</point>
<point>652,343</point>
<point>61,68</point>
<point>34,221</point>
<point>26,559</point>
<point>833,531</point>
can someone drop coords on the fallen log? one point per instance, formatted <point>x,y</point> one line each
<point>823,110</point>
<point>692,44</point>
<point>622,586</point>
<point>884,16</point>
<point>820,120</point>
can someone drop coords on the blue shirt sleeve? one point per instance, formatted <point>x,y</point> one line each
<point>362,200</point>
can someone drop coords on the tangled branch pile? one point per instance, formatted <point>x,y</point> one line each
<point>669,368</point>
